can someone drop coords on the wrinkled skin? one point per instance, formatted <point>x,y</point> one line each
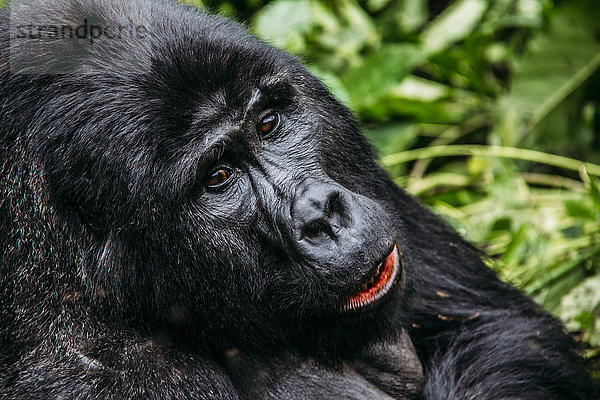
<point>128,273</point>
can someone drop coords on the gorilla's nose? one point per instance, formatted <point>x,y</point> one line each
<point>334,228</point>
<point>319,212</point>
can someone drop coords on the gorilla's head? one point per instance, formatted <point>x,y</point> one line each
<point>204,179</point>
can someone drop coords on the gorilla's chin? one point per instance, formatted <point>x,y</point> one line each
<point>380,282</point>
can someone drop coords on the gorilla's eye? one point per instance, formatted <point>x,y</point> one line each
<point>219,177</point>
<point>268,123</point>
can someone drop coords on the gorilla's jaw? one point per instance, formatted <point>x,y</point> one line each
<point>378,284</point>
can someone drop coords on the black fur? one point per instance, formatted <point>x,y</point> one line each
<point>123,276</point>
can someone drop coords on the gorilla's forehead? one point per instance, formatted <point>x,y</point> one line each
<point>185,69</point>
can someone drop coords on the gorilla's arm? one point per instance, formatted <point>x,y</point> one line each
<point>77,357</point>
<point>478,337</point>
<point>291,377</point>
<point>383,371</point>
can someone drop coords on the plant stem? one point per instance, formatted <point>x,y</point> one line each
<point>490,151</point>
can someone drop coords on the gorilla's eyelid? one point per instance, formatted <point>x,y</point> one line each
<point>276,93</point>
<point>212,155</point>
<point>281,87</point>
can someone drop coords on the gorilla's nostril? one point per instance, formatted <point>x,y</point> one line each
<point>315,228</point>
<point>332,205</point>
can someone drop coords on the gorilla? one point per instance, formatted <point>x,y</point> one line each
<point>187,213</point>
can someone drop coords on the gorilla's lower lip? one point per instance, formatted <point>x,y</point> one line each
<point>378,285</point>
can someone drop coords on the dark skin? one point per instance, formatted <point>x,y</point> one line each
<point>190,214</point>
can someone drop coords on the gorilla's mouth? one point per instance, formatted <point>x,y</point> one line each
<point>378,284</point>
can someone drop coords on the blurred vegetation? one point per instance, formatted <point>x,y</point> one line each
<point>487,110</point>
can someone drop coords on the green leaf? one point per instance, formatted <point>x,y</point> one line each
<point>359,22</point>
<point>579,309</point>
<point>376,5</point>
<point>546,81</point>
<point>594,191</point>
<point>516,247</point>
<point>394,137</point>
<point>380,72</point>
<point>413,14</point>
<point>419,89</point>
<point>579,209</point>
<point>562,270</point>
<point>551,295</point>
<point>453,25</point>
<point>283,23</point>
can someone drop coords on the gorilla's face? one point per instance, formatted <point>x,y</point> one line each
<point>319,246</point>
<point>283,206</point>
<point>220,187</point>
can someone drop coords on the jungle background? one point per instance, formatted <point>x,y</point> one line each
<point>486,110</point>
